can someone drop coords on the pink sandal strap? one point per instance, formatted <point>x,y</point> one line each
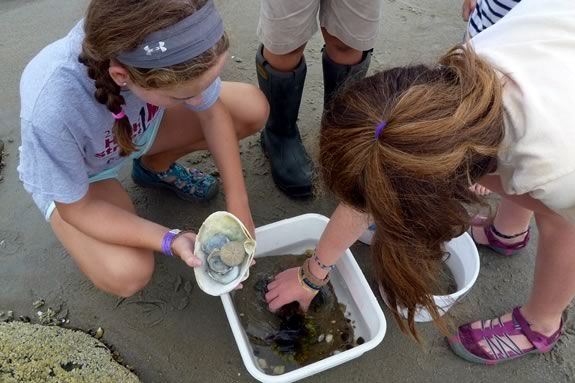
<point>541,342</point>
<point>505,248</point>
<point>497,337</point>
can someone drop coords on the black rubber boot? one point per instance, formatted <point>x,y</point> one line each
<point>291,166</point>
<point>334,75</point>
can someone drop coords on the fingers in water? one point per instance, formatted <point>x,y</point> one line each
<point>277,303</point>
<point>273,284</point>
<point>281,276</point>
<point>271,295</point>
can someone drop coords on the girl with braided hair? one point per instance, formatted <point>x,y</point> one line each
<point>403,147</point>
<point>135,81</point>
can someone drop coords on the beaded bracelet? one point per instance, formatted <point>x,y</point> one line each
<point>310,284</point>
<point>321,265</point>
<point>310,277</point>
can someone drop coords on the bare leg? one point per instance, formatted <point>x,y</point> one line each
<point>510,219</point>
<point>339,52</point>
<point>554,280</point>
<point>286,62</point>
<point>554,283</point>
<point>180,133</point>
<point>115,269</point>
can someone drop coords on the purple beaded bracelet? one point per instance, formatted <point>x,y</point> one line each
<point>167,242</point>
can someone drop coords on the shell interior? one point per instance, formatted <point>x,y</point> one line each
<point>219,231</point>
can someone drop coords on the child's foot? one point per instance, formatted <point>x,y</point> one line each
<point>488,235</point>
<point>479,190</point>
<point>501,339</point>
<point>188,184</point>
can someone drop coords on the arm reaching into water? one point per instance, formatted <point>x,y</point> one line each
<point>344,228</point>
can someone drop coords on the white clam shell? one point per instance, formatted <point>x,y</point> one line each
<point>222,222</point>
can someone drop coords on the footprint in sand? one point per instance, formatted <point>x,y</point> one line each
<point>10,242</point>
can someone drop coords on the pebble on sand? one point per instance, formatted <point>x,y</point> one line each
<point>262,363</point>
<point>279,370</point>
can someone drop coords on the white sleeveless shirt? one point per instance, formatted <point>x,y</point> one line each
<point>533,46</point>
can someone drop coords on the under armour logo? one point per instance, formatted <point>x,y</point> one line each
<point>161,47</point>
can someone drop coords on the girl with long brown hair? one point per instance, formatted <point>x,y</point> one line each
<point>403,147</point>
<point>135,81</point>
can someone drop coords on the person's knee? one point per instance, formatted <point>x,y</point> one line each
<point>341,48</point>
<point>127,279</point>
<point>259,111</point>
<point>336,44</point>
<point>340,52</point>
<point>296,54</point>
<point>285,62</point>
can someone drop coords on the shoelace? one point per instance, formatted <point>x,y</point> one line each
<point>190,181</point>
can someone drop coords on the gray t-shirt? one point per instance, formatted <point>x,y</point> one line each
<point>66,134</point>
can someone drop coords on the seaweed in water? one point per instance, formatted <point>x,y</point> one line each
<point>290,337</point>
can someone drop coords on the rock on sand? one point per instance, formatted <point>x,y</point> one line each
<point>36,353</point>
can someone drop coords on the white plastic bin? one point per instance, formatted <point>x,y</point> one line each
<point>294,236</point>
<point>463,261</point>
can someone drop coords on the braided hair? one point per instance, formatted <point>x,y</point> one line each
<point>108,93</point>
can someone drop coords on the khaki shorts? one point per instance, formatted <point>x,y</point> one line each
<point>285,25</point>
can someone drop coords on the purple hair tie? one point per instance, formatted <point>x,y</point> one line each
<point>379,129</point>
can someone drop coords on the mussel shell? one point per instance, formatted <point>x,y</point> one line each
<point>216,241</point>
<point>232,274</point>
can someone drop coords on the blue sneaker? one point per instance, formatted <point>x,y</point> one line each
<point>188,184</point>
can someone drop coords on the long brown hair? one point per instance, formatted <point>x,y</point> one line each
<point>444,125</point>
<point>117,26</point>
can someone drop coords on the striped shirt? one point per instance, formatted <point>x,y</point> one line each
<point>487,13</point>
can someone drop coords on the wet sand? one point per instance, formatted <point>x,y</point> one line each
<point>171,331</point>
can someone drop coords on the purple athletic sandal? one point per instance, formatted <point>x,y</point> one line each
<point>497,337</point>
<point>494,243</point>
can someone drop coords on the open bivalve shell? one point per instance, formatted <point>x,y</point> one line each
<point>226,249</point>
